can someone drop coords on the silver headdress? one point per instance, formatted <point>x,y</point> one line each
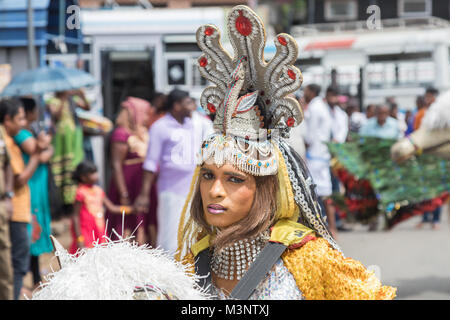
<point>249,98</point>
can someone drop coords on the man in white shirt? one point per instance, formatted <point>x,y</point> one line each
<point>296,134</point>
<point>318,131</point>
<point>174,140</point>
<point>339,129</point>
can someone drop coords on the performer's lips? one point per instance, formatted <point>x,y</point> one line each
<point>216,208</point>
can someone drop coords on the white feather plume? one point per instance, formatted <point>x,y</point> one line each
<point>438,115</point>
<point>114,269</point>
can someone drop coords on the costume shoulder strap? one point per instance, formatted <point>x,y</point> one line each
<point>258,270</point>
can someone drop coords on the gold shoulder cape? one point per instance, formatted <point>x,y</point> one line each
<point>321,272</point>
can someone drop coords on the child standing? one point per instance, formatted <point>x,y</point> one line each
<point>89,208</point>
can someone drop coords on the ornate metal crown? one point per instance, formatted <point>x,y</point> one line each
<point>249,96</point>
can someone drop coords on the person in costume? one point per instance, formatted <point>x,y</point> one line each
<point>251,224</point>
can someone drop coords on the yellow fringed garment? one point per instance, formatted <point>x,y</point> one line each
<point>322,273</point>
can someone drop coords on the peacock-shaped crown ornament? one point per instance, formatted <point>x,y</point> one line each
<point>248,96</point>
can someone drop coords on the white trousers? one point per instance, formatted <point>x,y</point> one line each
<point>168,213</point>
<point>320,173</point>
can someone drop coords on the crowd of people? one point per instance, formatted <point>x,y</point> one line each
<point>47,169</point>
<point>338,116</point>
<point>48,173</point>
<point>39,155</point>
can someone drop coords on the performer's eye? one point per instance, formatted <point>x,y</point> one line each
<point>236,179</point>
<point>207,176</point>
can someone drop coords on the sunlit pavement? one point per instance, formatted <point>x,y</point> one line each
<point>417,262</point>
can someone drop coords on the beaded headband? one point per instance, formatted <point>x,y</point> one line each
<point>248,96</point>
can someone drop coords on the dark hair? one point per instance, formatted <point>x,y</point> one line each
<point>176,95</point>
<point>314,88</point>
<point>420,101</point>
<point>84,168</point>
<point>332,90</point>
<point>432,91</point>
<point>9,107</point>
<point>393,106</point>
<point>156,96</point>
<point>29,104</point>
<point>382,106</point>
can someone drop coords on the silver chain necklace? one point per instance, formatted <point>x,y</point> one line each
<point>232,261</point>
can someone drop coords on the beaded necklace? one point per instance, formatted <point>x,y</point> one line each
<point>233,261</point>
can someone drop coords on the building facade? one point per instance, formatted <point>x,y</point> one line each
<point>372,48</point>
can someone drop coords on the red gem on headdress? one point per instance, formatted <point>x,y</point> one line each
<point>282,40</point>
<point>209,31</point>
<point>262,93</point>
<point>267,101</point>
<point>203,62</point>
<point>243,24</point>
<point>290,122</point>
<point>291,74</point>
<point>211,108</point>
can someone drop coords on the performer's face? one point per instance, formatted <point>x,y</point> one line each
<point>227,194</point>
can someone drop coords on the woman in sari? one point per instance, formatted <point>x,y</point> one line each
<point>68,147</point>
<point>129,142</point>
<point>29,140</point>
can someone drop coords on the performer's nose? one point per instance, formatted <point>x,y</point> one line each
<point>217,190</point>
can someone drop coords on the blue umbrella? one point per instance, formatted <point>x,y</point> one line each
<point>47,79</point>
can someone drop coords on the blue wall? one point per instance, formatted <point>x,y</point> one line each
<point>13,22</point>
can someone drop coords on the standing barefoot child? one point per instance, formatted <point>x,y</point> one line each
<point>88,222</point>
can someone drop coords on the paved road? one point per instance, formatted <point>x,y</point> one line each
<point>417,262</point>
